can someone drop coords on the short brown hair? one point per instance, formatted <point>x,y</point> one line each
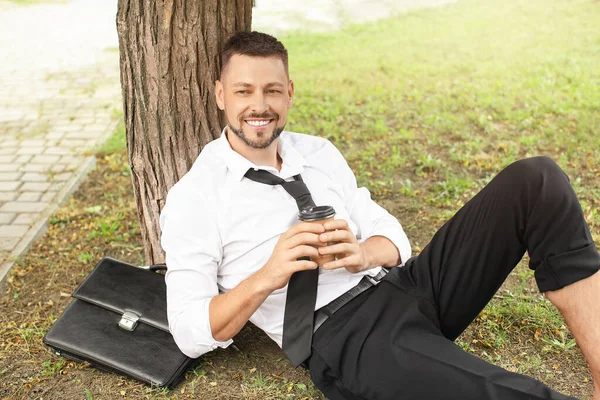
<point>254,44</point>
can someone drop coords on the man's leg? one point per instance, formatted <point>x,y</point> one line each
<point>528,206</point>
<point>386,344</point>
<point>580,305</point>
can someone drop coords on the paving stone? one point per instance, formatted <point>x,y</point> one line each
<point>86,119</point>
<point>31,150</point>
<point>10,167</point>
<point>64,176</point>
<point>7,158</point>
<point>10,176</point>
<point>10,143</point>
<point>26,219</point>
<point>6,218</point>
<point>35,168</point>
<point>9,244</point>
<point>45,159</point>
<point>5,150</point>
<point>23,158</point>
<point>48,196</point>
<point>57,168</point>
<point>39,143</point>
<point>30,196</point>
<point>55,135</point>
<point>59,151</point>
<point>82,135</point>
<point>73,143</point>
<point>34,187</point>
<point>72,128</point>
<point>23,207</point>
<point>9,186</point>
<point>35,177</point>
<point>8,196</point>
<point>71,159</point>
<point>13,230</point>
<point>55,186</point>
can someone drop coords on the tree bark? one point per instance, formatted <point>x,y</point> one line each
<point>170,59</point>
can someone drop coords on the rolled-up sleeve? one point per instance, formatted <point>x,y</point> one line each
<point>191,241</point>
<point>370,217</point>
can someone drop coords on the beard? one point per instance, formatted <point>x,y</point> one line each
<point>263,141</point>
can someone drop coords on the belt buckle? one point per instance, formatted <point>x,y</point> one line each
<point>371,279</point>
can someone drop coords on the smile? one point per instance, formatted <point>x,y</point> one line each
<point>258,123</point>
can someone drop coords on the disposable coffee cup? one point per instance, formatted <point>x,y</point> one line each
<point>318,215</point>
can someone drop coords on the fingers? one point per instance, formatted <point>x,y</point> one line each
<point>308,227</point>
<point>338,248</point>
<point>351,262</point>
<point>303,251</point>
<point>338,236</point>
<point>337,224</point>
<point>303,238</point>
<point>304,265</point>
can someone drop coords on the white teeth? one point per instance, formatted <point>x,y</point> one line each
<point>258,123</point>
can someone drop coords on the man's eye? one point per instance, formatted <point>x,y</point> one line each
<point>273,91</point>
<point>242,92</point>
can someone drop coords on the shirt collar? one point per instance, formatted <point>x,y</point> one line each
<point>293,161</point>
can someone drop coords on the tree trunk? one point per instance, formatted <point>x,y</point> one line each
<point>170,59</point>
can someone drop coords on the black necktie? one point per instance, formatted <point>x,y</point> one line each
<point>302,288</point>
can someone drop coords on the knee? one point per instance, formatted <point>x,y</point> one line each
<point>536,168</point>
<point>540,164</point>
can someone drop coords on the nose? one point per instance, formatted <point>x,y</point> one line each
<point>259,102</point>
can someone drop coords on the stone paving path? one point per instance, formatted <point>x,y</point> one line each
<point>60,95</point>
<point>59,99</point>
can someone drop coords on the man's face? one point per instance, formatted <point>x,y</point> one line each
<point>255,93</point>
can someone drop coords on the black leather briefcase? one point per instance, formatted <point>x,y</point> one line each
<point>117,322</point>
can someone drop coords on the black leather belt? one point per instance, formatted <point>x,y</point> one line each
<point>367,282</point>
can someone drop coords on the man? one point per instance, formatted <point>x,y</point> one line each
<point>233,243</point>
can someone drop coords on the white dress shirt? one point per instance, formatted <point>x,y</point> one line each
<point>218,228</point>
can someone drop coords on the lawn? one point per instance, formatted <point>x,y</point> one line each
<point>427,107</point>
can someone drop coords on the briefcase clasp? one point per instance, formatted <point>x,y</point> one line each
<point>129,320</point>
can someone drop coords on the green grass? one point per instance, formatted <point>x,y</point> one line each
<point>117,141</point>
<point>478,82</point>
<point>52,368</point>
<point>438,101</point>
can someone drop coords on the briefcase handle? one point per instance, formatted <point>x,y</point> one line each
<point>155,267</point>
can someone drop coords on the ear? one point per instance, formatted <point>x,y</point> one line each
<point>220,95</point>
<point>291,93</point>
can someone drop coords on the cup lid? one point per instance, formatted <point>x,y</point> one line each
<point>316,213</point>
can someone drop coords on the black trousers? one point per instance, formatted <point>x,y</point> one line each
<point>395,341</point>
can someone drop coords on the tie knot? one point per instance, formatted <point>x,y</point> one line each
<point>262,176</point>
<point>297,188</point>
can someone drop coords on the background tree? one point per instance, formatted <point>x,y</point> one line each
<point>169,52</point>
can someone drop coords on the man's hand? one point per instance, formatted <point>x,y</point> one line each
<point>301,240</point>
<point>231,310</point>
<point>349,253</point>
